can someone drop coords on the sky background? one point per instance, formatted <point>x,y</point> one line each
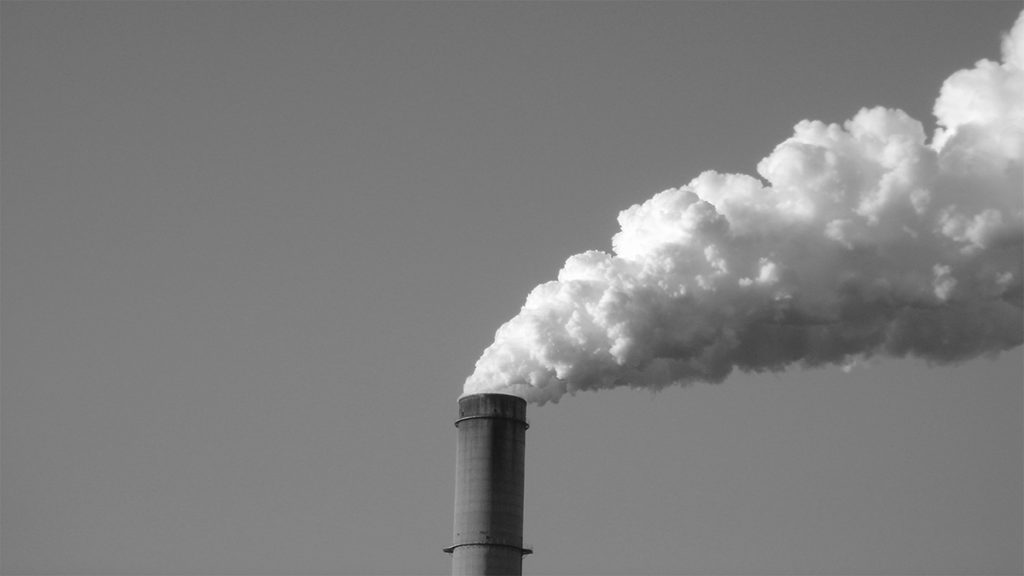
<point>251,250</point>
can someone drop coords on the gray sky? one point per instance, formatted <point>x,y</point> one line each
<point>250,252</point>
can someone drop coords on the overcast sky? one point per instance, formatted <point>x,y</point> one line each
<point>251,251</point>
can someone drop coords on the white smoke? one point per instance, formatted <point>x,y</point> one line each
<point>865,240</point>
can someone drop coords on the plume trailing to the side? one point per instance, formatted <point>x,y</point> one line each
<point>862,239</point>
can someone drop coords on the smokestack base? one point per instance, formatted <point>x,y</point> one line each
<point>489,474</point>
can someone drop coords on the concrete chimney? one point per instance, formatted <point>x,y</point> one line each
<point>489,469</point>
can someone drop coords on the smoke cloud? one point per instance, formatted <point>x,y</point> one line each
<point>859,240</point>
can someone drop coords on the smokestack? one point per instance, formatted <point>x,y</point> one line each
<point>489,470</point>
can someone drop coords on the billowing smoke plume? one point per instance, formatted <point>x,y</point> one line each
<point>865,240</point>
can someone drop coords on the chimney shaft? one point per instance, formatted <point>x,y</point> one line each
<point>489,470</point>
